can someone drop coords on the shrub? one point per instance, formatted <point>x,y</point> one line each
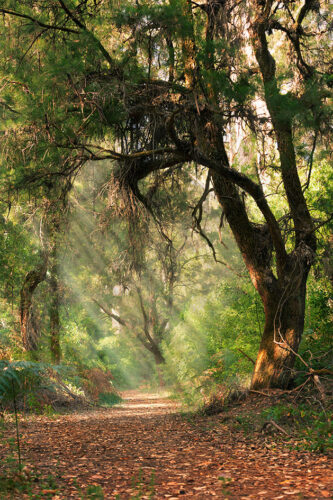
<point>19,378</point>
<point>109,399</point>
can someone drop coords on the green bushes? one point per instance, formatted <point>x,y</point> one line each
<point>209,349</point>
<point>42,388</point>
<point>108,399</point>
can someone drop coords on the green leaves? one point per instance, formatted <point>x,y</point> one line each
<point>169,16</point>
<point>18,377</point>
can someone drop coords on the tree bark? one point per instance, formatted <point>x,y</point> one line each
<point>54,315</point>
<point>284,323</point>
<point>283,297</point>
<point>32,280</point>
<point>158,356</point>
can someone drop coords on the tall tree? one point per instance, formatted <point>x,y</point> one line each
<point>155,86</point>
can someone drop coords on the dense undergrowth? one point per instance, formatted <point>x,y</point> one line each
<point>29,386</point>
<point>299,420</point>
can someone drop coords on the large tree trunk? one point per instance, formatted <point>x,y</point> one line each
<point>284,323</point>
<point>160,361</point>
<point>283,297</point>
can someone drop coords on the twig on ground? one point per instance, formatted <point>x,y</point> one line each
<point>262,393</point>
<point>278,427</point>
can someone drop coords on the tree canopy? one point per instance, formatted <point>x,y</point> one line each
<point>239,93</point>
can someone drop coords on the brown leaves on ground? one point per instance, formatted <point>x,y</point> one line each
<point>146,448</point>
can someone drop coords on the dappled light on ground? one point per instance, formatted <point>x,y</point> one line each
<point>145,448</point>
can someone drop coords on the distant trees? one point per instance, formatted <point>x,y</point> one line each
<point>130,269</point>
<point>144,306</point>
<point>157,86</point>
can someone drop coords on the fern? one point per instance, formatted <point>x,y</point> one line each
<point>21,377</point>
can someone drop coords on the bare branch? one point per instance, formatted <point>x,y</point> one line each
<point>246,356</point>
<point>311,161</point>
<point>110,313</point>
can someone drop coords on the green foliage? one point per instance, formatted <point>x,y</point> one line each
<point>312,426</point>
<point>109,399</point>
<point>169,16</point>
<point>93,492</point>
<point>204,349</point>
<point>17,254</point>
<point>89,342</point>
<point>316,346</point>
<point>18,378</point>
<point>27,483</point>
<point>26,385</point>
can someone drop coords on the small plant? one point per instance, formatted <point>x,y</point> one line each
<point>25,482</point>
<point>140,486</point>
<point>226,481</point>
<point>48,410</point>
<point>312,425</point>
<point>9,382</point>
<point>315,428</point>
<point>21,379</point>
<point>276,413</point>
<point>93,492</point>
<point>109,398</point>
<point>245,423</point>
<point>17,378</point>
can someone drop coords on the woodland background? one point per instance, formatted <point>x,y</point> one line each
<point>166,201</point>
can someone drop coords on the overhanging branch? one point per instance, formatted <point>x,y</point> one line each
<point>37,21</point>
<point>257,194</point>
<point>82,26</point>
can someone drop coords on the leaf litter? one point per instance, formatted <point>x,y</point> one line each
<point>146,448</point>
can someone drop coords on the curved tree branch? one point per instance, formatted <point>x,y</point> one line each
<point>82,26</point>
<point>37,21</point>
<point>112,315</point>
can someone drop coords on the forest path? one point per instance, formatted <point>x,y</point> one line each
<point>145,448</point>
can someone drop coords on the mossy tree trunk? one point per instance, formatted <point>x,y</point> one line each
<point>31,281</point>
<point>55,324</point>
<point>284,323</point>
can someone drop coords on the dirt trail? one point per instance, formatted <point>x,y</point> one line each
<point>145,448</point>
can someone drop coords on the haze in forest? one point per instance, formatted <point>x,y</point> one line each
<point>166,215</point>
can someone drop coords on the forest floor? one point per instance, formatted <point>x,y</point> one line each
<point>148,448</point>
